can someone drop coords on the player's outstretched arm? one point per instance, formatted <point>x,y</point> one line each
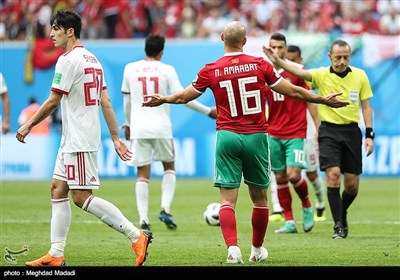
<point>213,113</point>
<point>201,108</point>
<point>179,97</point>
<point>286,88</point>
<point>290,67</point>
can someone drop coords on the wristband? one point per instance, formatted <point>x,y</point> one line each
<point>369,133</point>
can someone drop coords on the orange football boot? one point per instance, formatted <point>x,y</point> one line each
<point>140,246</point>
<point>47,260</point>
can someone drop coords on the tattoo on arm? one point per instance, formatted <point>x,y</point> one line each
<point>41,118</point>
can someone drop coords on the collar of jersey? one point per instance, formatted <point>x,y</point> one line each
<point>341,75</point>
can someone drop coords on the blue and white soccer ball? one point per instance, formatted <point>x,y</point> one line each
<point>211,214</point>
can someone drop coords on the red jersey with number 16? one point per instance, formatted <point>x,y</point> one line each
<point>239,83</point>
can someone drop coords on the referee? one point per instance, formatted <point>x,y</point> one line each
<point>339,138</point>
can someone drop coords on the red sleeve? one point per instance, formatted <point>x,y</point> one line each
<point>271,76</point>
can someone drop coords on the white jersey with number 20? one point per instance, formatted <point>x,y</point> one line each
<point>81,99</point>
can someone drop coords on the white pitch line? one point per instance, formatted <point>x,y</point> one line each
<point>80,221</point>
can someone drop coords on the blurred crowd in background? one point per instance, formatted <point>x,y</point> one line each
<point>107,19</point>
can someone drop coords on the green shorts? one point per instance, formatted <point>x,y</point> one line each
<point>286,153</point>
<point>241,155</point>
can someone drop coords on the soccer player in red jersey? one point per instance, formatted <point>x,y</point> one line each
<point>311,146</point>
<point>240,84</point>
<point>287,127</point>
<point>339,136</point>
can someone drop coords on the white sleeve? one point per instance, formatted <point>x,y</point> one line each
<point>173,79</point>
<point>127,109</point>
<point>64,68</point>
<point>199,107</point>
<point>175,85</point>
<point>125,80</point>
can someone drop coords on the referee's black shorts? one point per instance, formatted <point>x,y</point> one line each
<point>340,145</point>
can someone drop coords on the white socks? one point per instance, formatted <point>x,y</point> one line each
<point>168,185</point>
<point>60,223</point>
<point>318,186</point>
<point>142,200</point>
<point>109,214</point>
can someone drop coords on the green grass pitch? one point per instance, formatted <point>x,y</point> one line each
<point>374,228</point>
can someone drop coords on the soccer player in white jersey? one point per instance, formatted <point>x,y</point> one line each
<point>79,86</point>
<point>150,129</point>
<point>5,118</point>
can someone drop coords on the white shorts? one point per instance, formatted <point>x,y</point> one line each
<point>312,154</point>
<point>147,150</point>
<point>79,170</point>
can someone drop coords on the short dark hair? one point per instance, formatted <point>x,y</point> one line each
<point>154,45</point>
<point>340,43</point>
<point>294,49</point>
<point>278,37</point>
<point>67,19</point>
